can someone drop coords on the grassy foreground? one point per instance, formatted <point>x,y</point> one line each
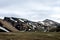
<point>30,36</point>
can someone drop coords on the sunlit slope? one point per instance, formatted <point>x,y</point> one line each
<point>8,26</point>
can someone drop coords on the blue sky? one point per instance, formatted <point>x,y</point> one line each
<point>35,10</point>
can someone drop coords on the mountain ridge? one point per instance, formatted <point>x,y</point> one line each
<point>20,24</point>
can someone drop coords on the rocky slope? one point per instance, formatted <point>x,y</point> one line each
<point>12,24</point>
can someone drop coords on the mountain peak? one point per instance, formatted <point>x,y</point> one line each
<point>46,20</point>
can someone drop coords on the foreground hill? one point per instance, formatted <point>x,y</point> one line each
<point>30,36</point>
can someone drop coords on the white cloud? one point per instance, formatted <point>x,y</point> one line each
<point>55,13</point>
<point>55,16</point>
<point>56,9</point>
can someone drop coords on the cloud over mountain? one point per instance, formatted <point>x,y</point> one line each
<point>31,9</point>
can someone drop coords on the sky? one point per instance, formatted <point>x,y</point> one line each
<point>35,10</point>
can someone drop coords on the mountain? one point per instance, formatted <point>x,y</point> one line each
<point>51,25</point>
<point>48,22</point>
<point>12,24</point>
